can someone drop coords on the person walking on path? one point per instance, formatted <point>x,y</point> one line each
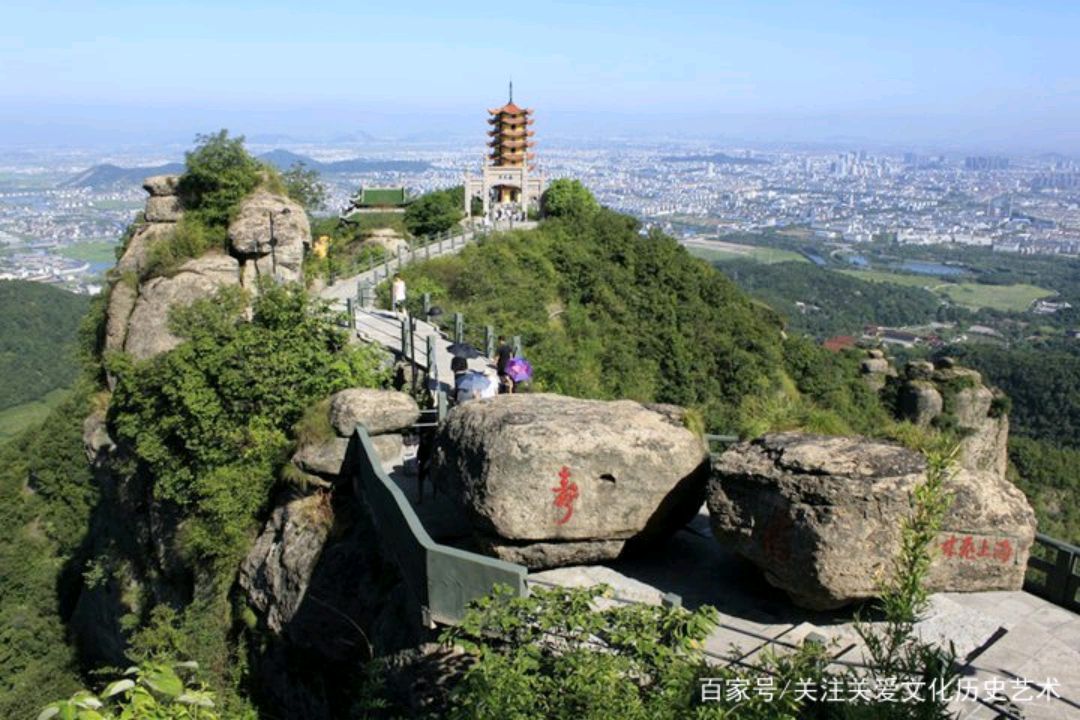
<point>503,353</point>
<point>397,294</point>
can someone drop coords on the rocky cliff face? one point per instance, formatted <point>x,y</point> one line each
<point>822,515</point>
<point>314,588</point>
<point>267,239</point>
<point>314,591</point>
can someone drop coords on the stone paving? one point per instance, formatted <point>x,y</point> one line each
<point>998,636</point>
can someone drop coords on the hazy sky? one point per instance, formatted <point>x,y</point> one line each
<point>936,73</point>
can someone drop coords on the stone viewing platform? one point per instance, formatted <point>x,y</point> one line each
<point>1007,636</point>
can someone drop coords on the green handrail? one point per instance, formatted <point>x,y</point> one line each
<point>1061,580</point>
<point>442,580</point>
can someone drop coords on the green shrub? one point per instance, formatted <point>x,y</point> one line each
<point>435,212</point>
<point>155,691</point>
<point>219,174</point>
<point>567,198</point>
<point>191,238</point>
<point>211,419</point>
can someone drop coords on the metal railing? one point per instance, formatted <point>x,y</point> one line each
<point>1060,581</point>
<point>423,248</point>
<point>442,580</point>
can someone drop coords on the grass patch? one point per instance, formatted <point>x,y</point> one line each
<point>1015,298</point>
<point>15,419</point>
<point>730,251</point>
<point>1009,298</point>
<point>882,276</point>
<point>95,251</point>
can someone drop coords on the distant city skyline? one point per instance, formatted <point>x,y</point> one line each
<point>972,76</point>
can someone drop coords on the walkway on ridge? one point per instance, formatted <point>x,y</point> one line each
<point>384,327</point>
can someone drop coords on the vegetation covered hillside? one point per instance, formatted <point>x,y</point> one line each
<point>830,303</point>
<point>38,335</point>
<point>604,312</point>
<point>46,496</point>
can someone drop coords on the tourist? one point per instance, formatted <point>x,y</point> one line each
<point>492,388</point>
<point>503,353</point>
<point>459,366</point>
<point>397,294</point>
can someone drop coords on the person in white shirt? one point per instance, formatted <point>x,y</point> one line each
<point>397,294</point>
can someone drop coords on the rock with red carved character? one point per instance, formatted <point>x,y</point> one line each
<point>821,516</point>
<point>549,480</point>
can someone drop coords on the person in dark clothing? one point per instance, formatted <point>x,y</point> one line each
<point>424,453</point>
<point>503,353</point>
<point>459,366</point>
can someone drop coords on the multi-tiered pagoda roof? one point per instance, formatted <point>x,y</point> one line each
<point>510,136</point>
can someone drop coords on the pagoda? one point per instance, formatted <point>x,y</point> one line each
<point>509,185</point>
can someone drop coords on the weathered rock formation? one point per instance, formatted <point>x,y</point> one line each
<point>267,239</point>
<point>548,480</point>
<point>276,572</point>
<point>387,239</point>
<point>148,333</point>
<point>876,369</point>
<point>821,516</point>
<point>96,440</point>
<point>385,414</point>
<point>379,411</point>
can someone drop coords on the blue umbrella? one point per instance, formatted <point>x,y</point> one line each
<point>519,369</point>
<point>472,385</point>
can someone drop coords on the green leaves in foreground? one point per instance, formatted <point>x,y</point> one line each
<point>151,692</point>
<point>553,656</point>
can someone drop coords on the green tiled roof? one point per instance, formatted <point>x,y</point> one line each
<point>381,197</point>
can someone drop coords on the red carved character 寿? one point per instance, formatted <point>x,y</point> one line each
<point>565,495</point>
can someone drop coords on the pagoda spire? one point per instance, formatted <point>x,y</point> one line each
<point>511,90</point>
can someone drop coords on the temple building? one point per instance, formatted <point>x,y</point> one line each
<point>509,186</point>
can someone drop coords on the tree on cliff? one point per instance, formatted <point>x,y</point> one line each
<point>220,173</point>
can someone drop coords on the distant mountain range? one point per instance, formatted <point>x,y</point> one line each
<point>102,177</point>
<point>284,159</point>
<point>105,176</point>
<point>715,158</point>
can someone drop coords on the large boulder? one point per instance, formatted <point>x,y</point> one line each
<point>148,331</point>
<point>549,480</point>
<point>920,402</point>
<point>276,572</point>
<point>163,209</point>
<point>161,185</point>
<point>324,459</point>
<point>379,411</point>
<point>270,233</point>
<point>822,517</point>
